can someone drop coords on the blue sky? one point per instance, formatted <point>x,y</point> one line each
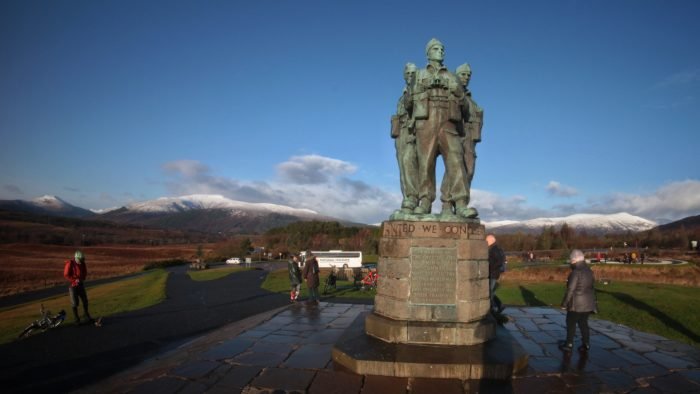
<point>590,106</point>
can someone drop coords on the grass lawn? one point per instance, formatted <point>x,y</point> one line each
<point>660,309</point>
<point>108,299</point>
<point>215,273</point>
<point>278,282</point>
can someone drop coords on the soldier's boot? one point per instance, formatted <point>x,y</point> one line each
<point>464,211</point>
<point>447,209</point>
<point>409,204</point>
<point>423,207</point>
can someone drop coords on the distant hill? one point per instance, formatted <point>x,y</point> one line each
<point>593,224</point>
<point>46,205</point>
<point>212,214</point>
<point>29,227</point>
<point>691,223</point>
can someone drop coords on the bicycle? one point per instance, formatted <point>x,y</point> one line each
<point>331,280</point>
<point>45,322</point>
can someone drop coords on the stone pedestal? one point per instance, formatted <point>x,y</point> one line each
<point>499,358</point>
<point>431,313</point>
<point>433,284</point>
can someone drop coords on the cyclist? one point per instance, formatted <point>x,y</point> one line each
<point>75,271</point>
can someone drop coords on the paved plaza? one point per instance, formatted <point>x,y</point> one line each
<point>289,350</point>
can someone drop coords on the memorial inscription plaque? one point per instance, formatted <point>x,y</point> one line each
<point>433,276</point>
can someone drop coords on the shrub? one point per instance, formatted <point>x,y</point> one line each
<point>165,264</point>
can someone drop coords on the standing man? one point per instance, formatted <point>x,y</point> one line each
<point>294,278</point>
<point>473,122</point>
<point>579,301</point>
<point>497,261</point>
<point>404,135</point>
<point>75,271</point>
<point>310,275</point>
<point>436,104</point>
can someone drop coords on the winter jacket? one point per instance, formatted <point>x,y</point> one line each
<point>294,273</point>
<point>75,272</point>
<point>310,272</point>
<point>497,260</point>
<point>580,293</point>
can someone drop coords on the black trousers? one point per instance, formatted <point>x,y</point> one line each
<point>76,295</point>
<point>580,318</point>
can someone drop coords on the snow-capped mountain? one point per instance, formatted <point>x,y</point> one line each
<point>212,201</point>
<point>216,213</point>
<point>591,223</point>
<point>210,213</point>
<point>46,205</point>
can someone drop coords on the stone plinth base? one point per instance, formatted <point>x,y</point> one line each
<point>435,333</point>
<point>499,358</point>
<point>433,284</point>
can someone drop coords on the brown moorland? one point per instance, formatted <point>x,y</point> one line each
<point>683,275</point>
<point>27,267</point>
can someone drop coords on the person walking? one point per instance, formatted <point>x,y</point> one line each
<point>75,271</point>
<point>497,264</point>
<point>294,278</point>
<point>310,275</point>
<point>579,302</point>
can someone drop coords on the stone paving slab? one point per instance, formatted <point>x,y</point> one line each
<point>288,351</point>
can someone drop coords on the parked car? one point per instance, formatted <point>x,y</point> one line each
<point>233,260</point>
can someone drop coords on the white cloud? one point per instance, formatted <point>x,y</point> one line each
<point>193,177</point>
<point>322,184</point>
<point>557,189</point>
<point>672,201</point>
<point>492,206</point>
<point>314,182</point>
<point>347,199</point>
<point>313,169</point>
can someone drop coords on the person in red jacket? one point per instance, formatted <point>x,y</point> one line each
<point>75,272</point>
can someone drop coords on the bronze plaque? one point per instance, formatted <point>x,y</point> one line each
<point>433,276</point>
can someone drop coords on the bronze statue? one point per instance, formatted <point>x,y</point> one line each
<point>405,142</point>
<point>473,124</point>
<point>437,108</point>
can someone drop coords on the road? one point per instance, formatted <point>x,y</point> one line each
<point>70,357</point>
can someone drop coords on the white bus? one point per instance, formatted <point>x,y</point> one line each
<point>337,258</point>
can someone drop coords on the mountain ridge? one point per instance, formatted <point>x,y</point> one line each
<point>215,213</point>
<point>592,223</point>
<point>48,205</point>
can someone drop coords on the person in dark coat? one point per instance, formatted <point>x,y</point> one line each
<point>294,278</point>
<point>579,301</point>
<point>310,275</point>
<point>497,262</point>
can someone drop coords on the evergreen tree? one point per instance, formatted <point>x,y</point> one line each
<point>544,241</point>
